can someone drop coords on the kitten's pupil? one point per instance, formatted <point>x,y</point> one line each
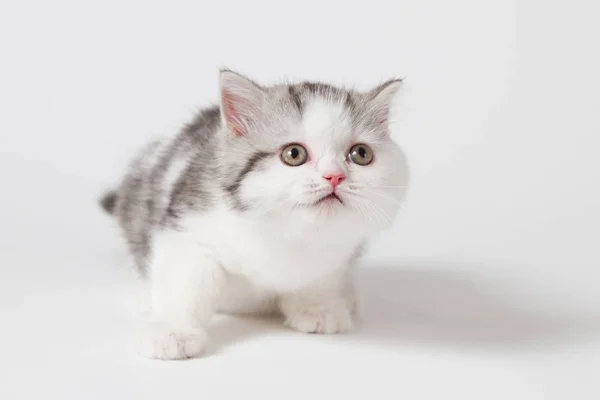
<point>294,152</point>
<point>362,152</point>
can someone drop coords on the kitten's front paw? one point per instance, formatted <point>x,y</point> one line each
<point>168,342</point>
<point>326,320</point>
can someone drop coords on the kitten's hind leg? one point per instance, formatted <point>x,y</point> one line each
<point>185,283</point>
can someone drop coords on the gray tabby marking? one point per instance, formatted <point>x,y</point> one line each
<point>233,189</point>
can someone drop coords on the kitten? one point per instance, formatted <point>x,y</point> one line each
<point>261,204</point>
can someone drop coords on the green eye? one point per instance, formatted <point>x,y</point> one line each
<point>361,154</point>
<point>294,155</point>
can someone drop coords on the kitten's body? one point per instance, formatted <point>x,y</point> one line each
<point>218,223</point>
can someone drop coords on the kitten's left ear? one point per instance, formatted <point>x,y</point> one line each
<point>380,99</point>
<point>241,101</point>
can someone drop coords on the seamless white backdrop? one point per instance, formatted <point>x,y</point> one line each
<point>497,246</point>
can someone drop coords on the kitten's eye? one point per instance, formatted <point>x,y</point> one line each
<point>294,155</point>
<point>361,154</point>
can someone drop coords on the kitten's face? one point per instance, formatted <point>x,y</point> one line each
<point>313,150</point>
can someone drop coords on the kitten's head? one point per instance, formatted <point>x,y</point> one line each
<point>311,149</point>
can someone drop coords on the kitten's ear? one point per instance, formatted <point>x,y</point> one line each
<point>380,99</point>
<point>241,101</point>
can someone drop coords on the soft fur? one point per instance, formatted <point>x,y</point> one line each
<point>218,223</point>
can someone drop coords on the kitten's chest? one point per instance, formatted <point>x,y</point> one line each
<point>282,258</point>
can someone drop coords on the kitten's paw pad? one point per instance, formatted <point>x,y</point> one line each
<point>166,342</point>
<point>320,321</point>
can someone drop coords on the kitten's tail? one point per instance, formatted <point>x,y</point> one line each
<point>108,201</point>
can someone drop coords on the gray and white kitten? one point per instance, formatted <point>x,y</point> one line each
<point>260,205</point>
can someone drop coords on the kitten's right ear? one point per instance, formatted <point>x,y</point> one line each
<point>241,101</point>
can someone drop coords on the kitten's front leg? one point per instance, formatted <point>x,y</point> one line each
<point>185,282</point>
<point>327,307</point>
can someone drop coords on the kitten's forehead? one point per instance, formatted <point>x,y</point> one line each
<point>325,112</point>
<point>326,119</point>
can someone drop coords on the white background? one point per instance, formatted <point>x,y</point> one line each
<point>486,288</point>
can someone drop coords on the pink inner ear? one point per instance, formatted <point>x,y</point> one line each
<point>231,106</point>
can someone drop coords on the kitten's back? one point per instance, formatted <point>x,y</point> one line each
<point>157,187</point>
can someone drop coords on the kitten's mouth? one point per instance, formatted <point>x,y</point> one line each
<point>331,197</point>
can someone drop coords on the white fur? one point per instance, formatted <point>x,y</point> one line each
<point>304,274</point>
<point>285,254</point>
<point>174,172</point>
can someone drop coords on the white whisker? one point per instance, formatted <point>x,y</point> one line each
<point>385,196</point>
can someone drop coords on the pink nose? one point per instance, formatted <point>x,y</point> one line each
<point>334,179</point>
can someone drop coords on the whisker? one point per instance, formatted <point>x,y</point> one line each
<point>366,214</point>
<point>384,196</point>
<point>379,217</point>
<point>377,186</point>
<point>381,213</point>
<point>376,211</point>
